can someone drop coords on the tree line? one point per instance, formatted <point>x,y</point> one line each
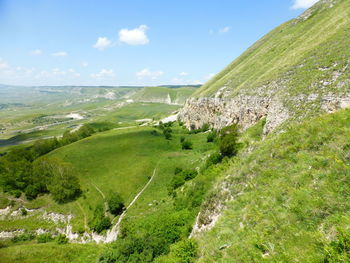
<point>26,170</point>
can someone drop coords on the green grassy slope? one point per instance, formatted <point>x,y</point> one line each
<point>117,160</point>
<point>290,197</point>
<point>293,58</point>
<point>40,253</point>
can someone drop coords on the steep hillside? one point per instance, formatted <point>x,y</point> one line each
<point>288,198</point>
<point>302,68</point>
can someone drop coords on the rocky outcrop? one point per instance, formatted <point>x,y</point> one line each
<point>247,110</point>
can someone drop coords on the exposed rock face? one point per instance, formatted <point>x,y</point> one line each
<point>246,110</point>
<point>221,112</point>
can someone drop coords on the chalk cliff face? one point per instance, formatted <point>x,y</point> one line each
<point>248,110</point>
<point>300,69</point>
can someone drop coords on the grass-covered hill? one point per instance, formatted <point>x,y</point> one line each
<point>295,57</point>
<point>123,161</point>
<point>301,68</point>
<point>289,198</point>
<point>29,113</point>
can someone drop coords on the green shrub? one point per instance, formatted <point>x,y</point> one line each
<point>31,192</point>
<point>61,239</point>
<point>338,251</point>
<point>182,139</point>
<point>23,237</point>
<point>213,159</point>
<point>180,177</point>
<point>229,141</point>
<point>154,133</point>
<point>44,238</point>
<point>184,251</point>
<point>187,145</point>
<point>211,136</point>
<point>115,203</point>
<point>167,131</point>
<point>178,170</point>
<point>24,212</point>
<point>99,222</point>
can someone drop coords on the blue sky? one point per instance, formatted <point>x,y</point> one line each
<point>134,42</point>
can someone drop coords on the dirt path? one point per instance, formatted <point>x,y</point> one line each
<point>104,198</point>
<point>123,128</point>
<point>113,234</point>
<point>85,219</point>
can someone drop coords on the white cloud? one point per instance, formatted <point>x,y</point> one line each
<point>146,73</point>
<point>225,29</point>
<point>183,74</point>
<point>36,52</point>
<point>303,4</point>
<point>102,43</point>
<point>84,64</point>
<point>103,74</point>
<point>136,36</point>
<point>60,54</point>
<point>3,64</point>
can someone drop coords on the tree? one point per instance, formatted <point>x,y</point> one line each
<point>115,203</point>
<point>229,141</point>
<point>64,185</point>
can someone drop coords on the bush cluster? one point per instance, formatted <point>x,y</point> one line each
<point>115,203</point>
<point>180,177</point>
<point>166,128</point>
<point>21,170</point>
<point>186,145</point>
<point>148,239</point>
<point>44,238</point>
<point>229,141</point>
<point>99,222</point>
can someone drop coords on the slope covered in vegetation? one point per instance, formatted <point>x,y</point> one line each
<point>289,198</point>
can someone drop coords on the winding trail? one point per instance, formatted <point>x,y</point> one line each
<point>85,219</point>
<point>112,235</point>
<point>104,198</point>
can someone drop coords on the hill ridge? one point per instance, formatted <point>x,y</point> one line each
<point>299,69</point>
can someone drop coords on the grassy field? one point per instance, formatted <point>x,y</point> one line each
<point>290,197</point>
<point>51,253</point>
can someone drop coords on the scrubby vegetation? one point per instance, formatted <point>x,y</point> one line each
<point>229,141</point>
<point>99,221</point>
<point>115,203</point>
<point>22,170</point>
<point>288,198</point>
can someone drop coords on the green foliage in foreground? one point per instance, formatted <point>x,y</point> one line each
<point>184,251</point>
<point>51,252</point>
<point>289,198</point>
<point>146,241</point>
